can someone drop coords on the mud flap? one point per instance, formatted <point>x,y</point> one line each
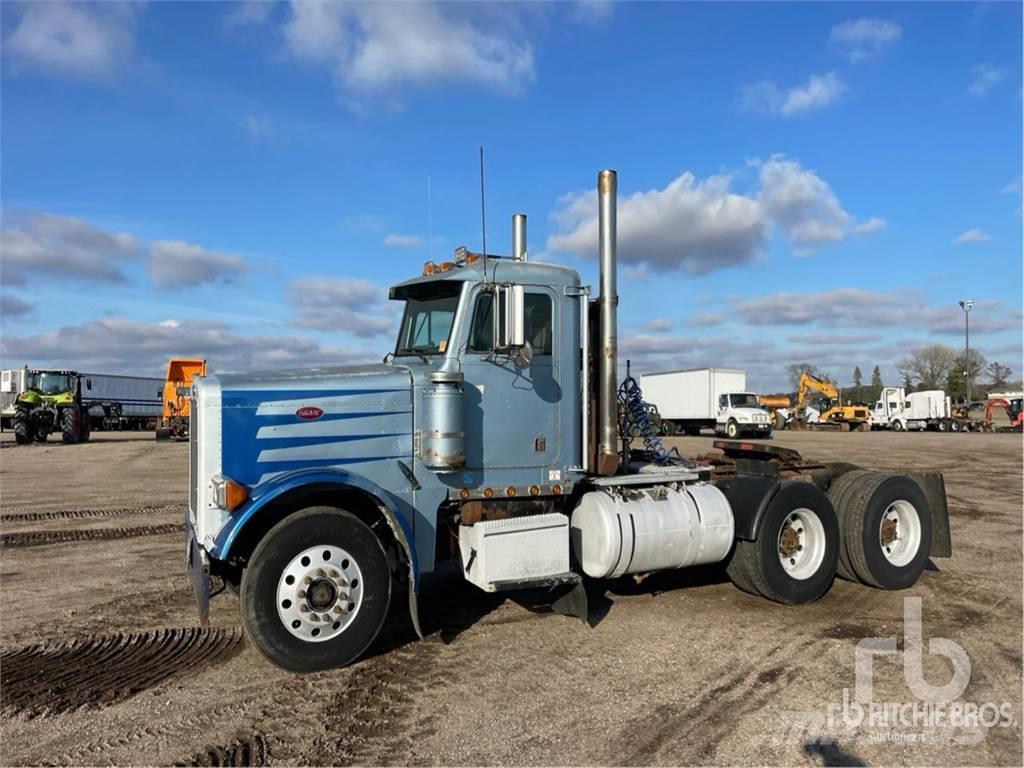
<point>934,488</point>
<point>199,568</point>
<point>572,602</point>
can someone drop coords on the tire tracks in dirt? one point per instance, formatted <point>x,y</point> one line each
<point>97,671</point>
<point>372,719</point>
<point>244,750</point>
<point>32,516</point>
<point>42,538</point>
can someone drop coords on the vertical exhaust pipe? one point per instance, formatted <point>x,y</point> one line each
<point>607,368</point>
<point>519,237</point>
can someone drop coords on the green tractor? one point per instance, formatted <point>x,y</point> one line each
<point>51,402</point>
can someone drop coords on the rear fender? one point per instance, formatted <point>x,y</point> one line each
<point>749,496</point>
<point>933,485</point>
<point>290,481</point>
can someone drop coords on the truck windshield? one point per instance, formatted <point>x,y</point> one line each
<point>744,400</point>
<point>427,323</point>
<point>50,383</point>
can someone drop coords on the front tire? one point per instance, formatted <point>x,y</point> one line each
<point>897,426</point>
<point>793,560</point>
<point>22,427</point>
<point>337,569</point>
<point>69,421</point>
<point>732,430</point>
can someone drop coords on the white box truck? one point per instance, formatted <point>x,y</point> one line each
<point>714,398</point>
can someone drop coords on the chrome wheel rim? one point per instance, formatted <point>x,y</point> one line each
<point>801,544</point>
<point>899,532</point>
<point>319,593</point>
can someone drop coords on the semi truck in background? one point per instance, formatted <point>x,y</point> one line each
<point>112,401</point>
<point>706,398</point>
<point>490,436</point>
<point>900,411</point>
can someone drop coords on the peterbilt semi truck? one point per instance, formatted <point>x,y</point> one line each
<point>489,436</point>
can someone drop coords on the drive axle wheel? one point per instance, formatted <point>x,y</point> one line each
<point>316,590</point>
<point>886,530</point>
<point>793,560</point>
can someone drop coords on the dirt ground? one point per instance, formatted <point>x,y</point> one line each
<point>102,661</point>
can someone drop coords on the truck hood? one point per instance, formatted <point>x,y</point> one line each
<point>274,423</point>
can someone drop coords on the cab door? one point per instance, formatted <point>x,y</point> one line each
<point>512,414</point>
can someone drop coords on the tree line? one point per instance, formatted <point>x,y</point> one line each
<point>935,366</point>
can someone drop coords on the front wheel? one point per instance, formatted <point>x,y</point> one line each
<point>897,426</point>
<point>316,590</point>
<point>793,560</point>
<point>732,429</point>
<point>22,427</point>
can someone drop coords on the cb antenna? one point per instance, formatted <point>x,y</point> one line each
<point>483,212</point>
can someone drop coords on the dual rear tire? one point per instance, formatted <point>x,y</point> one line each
<point>793,559</point>
<point>885,528</point>
<point>872,527</point>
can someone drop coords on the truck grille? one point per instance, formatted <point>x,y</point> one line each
<point>193,457</point>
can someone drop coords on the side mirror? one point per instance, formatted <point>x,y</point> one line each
<point>510,317</point>
<point>524,356</point>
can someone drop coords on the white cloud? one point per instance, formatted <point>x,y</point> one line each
<point>818,92</point>
<point>983,78</point>
<point>695,225</point>
<point>259,128</point>
<point>975,235</point>
<point>657,325</point>
<point>856,308</point>
<point>870,226</point>
<point>700,226</point>
<point>706,319</point>
<point>249,12</point>
<point>121,344</point>
<point>374,47</point>
<point>862,38</point>
<point>395,240</point>
<point>1012,187</point>
<point>335,304</point>
<point>174,265</point>
<point>79,39</point>
<point>48,245</point>
<point>12,306</point>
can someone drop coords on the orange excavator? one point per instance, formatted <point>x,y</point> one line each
<point>174,414</point>
<point>1004,415</point>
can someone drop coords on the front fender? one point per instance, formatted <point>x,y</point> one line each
<point>267,492</point>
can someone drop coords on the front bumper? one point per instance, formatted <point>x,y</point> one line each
<point>197,563</point>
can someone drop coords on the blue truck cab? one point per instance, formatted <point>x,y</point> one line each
<point>488,436</point>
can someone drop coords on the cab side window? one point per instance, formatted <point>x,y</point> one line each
<point>538,317</point>
<point>723,401</point>
<point>538,322</point>
<point>481,335</point>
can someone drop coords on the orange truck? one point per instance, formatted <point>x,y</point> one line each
<point>174,410</point>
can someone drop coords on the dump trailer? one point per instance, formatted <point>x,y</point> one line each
<point>490,436</point>
<point>175,405</point>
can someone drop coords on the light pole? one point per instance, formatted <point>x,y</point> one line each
<point>966,306</point>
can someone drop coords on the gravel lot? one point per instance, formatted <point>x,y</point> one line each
<point>102,661</point>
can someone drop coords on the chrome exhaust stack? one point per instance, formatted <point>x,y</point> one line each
<point>607,367</point>
<point>519,237</point>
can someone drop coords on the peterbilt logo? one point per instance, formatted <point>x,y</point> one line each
<point>309,412</point>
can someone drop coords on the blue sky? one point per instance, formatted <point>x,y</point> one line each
<point>798,182</point>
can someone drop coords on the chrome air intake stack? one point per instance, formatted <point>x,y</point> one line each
<point>519,237</point>
<point>607,367</point>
